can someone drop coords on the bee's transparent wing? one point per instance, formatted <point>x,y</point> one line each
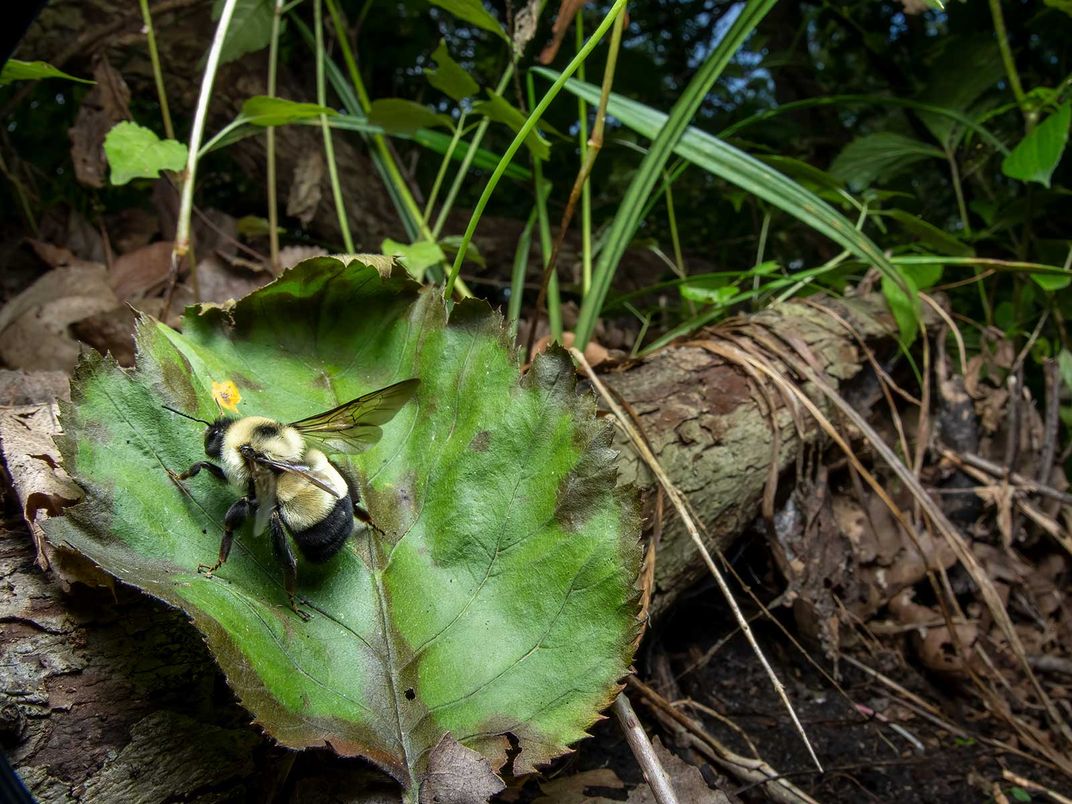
<point>263,460</point>
<point>355,425</point>
<point>264,491</point>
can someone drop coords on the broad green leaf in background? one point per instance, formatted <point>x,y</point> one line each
<point>262,110</point>
<point>879,156</point>
<point>903,304</point>
<point>500,598</point>
<point>250,31</point>
<point>928,233</point>
<point>449,77</point>
<point>967,67</point>
<point>135,152</point>
<point>1060,5</point>
<point>416,257</point>
<point>15,70</point>
<point>473,12</point>
<point>401,116</point>
<point>497,108</point>
<point>1037,155</point>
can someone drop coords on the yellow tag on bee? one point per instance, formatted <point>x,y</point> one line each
<point>226,395</point>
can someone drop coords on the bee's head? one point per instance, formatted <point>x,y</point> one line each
<point>214,436</point>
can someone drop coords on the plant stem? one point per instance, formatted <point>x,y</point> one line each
<point>197,132</point>
<point>954,173</point>
<point>523,133</point>
<point>410,208</point>
<point>463,169</point>
<point>273,203</point>
<point>1030,117</point>
<point>158,74</point>
<point>459,126</point>
<point>586,190</point>
<point>329,147</point>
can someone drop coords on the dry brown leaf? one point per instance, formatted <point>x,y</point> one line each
<point>289,256</point>
<point>304,197</point>
<point>132,228</point>
<point>573,789</point>
<point>42,486</point>
<point>35,325</point>
<point>219,283</point>
<point>686,779</point>
<point>32,387</point>
<point>107,103</point>
<point>58,257</point>
<point>142,271</point>
<point>458,775</point>
<point>595,353</point>
<point>567,10</point>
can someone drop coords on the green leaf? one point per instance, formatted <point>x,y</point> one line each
<point>878,157</point>
<point>250,29</point>
<point>745,171</point>
<point>500,110</point>
<point>401,116</point>
<point>967,67</point>
<point>451,243</point>
<point>135,152</point>
<point>904,300</point>
<point>449,77</point>
<point>1019,793</point>
<point>500,596</point>
<point>262,110</point>
<point>928,233</point>
<point>473,12</point>
<point>416,257</point>
<point>1060,5</point>
<point>1037,155</point>
<point>705,293</point>
<point>15,70</point>
<point>1050,281</point>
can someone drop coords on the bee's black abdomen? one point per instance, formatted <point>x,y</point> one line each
<point>326,538</point>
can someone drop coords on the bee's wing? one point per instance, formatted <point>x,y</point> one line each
<point>355,425</point>
<point>262,460</point>
<point>264,492</point>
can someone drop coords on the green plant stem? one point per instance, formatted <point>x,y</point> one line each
<point>463,169</point>
<point>954,173</point>
<point>1030,116</point>
<point>522,134</point>
<point>586,190</point>
<point>158,73</point>
<point>273,201</point>
<point>595,144</point>
<point>762,247</point>
<point>410,208</point>
<point>329,147</point>
<point>626,219</point>
<point>554,300</point>
<point>197,132</point>
<point>517,277</point>
<point>442,173</point>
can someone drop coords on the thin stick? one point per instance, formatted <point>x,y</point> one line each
<point>595,143</point>
<point>197,133</point>
<point>329,147</point>
<point>273,201</point>
<point>158,74</point>
<point>657,778</point>
<point>1002,473</point>
<point>681,505</point>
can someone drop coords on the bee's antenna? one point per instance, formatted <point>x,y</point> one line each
<point>187,415</point>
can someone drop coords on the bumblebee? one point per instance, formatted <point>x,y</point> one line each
<point>290,486</point>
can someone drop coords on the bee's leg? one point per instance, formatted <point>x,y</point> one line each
<point>212,469</point>
<point>238,513</point>
<point>286,557</point>
<point>363,516</point>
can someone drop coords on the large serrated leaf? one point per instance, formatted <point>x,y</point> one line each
<point>500,599</point>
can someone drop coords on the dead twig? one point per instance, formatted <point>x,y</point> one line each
<point>654,774</point>
<point>1027,784</point>
<point>682,507</point>
<point>1002,473</point>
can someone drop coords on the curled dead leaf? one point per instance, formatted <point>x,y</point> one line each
<point>107,103</point>
<point>42,486</point>
<point>35,325</point>
<point>458,775</point>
